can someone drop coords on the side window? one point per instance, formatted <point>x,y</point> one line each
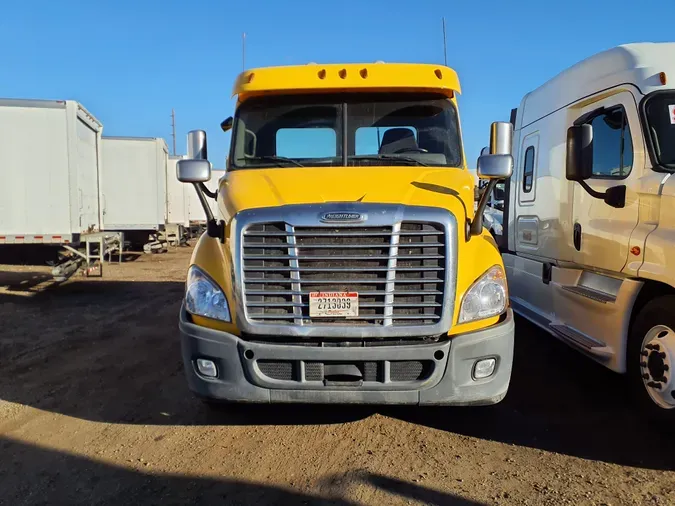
<point>612,145</point>
<point>528,170</point>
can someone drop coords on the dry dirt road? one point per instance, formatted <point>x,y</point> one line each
<point>94,409</point>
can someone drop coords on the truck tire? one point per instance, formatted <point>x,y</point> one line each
<point>651,358</point>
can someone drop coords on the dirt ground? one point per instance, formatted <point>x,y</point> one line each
<point>94,409</point>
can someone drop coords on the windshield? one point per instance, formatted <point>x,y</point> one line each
<point>346,129</point>
<point>659,111</point>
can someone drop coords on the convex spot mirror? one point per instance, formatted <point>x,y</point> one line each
<point>193,171</point>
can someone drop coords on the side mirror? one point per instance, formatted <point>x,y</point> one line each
<point>193,171</point>
<point>495,166</point>
<point>484,151</point>
<point>226,124</point>
<point>579,166</point>
<point>196,145</point>
<point>501,138</point>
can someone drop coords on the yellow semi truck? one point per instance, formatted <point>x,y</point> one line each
<point>349,265</point>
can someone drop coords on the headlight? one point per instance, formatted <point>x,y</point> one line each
<point>486,297</point>
<point>204,297</point>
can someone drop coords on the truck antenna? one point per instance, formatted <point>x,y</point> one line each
<point>445,45</point>
<point>243,51</point>
<point>173,130</point>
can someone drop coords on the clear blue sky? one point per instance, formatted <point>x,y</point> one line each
<point>130,62</point>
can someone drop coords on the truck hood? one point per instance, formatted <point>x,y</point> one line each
<point>448,188</point>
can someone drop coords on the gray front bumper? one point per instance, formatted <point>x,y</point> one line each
<point>239,378</point>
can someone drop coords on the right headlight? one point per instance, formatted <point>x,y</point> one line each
<point>487,297</point>
<point>203,297</point>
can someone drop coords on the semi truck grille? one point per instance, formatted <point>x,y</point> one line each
<point>398,272</point>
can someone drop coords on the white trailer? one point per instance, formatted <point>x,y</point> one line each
<point>589,228</point>
<point>49,169</point>
<point>176,195</point>
<point>133,186</point>
<point>177,211</point>
<point>50,152</point>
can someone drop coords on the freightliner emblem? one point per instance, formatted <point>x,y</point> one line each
<point>342,217</point>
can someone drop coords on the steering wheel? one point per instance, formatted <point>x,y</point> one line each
<point>411,150</point>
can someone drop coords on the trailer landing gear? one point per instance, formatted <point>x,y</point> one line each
<point>96,247</point>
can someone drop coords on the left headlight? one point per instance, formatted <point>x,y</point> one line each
<point>487,297</point>
<point>203,297</point>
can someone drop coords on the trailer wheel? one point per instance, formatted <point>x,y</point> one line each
<point>651,357</point>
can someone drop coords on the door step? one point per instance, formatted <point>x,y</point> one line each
<point>587,343</point>
<point>590,293</point>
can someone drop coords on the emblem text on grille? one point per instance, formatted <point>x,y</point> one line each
<point>337,216</point>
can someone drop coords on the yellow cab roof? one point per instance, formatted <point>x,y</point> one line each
<point>347,77</point>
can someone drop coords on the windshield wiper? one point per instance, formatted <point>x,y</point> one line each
<point>388,157</point>
<point>281,161</point>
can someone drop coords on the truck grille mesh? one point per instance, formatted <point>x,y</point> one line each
<point>371,371</point>
<point>398,272</point>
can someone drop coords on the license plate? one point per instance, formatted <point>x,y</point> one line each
<point>333,304</point>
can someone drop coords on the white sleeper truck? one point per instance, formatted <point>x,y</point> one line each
<point>589,218</point>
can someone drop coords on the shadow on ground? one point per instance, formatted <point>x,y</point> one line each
<point>34,475</point>
<point>24,282</point>
<point>560,401</point>
<point>109,351</point>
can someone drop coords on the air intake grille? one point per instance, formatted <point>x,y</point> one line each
<point>398,272</point>
<point>371,371</point>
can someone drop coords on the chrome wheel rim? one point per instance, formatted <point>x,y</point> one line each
<point>657,358</point>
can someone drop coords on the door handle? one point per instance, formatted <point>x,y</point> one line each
<point>577,236</point>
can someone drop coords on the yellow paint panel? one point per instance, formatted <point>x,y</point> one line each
<point>347,77</point>
<point>214,259</point>
<point>445,188</point>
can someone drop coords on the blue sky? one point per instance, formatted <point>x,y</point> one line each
<point>130,62</point>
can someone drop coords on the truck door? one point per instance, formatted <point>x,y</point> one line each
<point>600,233</point>
<point>527,224</point>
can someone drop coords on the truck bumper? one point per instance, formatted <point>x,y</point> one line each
<point>249,371</point>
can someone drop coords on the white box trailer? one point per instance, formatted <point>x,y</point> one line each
<point>195,210</point>
<point>49,172</point>
<point>177,210</point>
<point>133,185</point>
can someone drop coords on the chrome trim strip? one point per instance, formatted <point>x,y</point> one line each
<point>391,276</point>
<point>295,273</point>
<point>379,215</point>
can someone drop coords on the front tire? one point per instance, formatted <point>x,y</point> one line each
<point>651,357</point>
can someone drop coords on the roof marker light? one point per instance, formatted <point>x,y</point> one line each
<point>663,78</point>
<point>364,73</point>
<point>251,76</point>
<point>342,73</point>
<point>322,74</point>
<point>438,73</point>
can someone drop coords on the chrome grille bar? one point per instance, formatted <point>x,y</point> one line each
<point>391,276</point>
<point>356,246</point>
<point>295,274</point>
